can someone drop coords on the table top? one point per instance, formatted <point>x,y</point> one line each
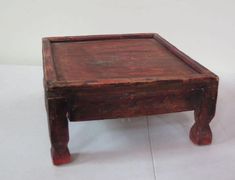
<point>103,59</point>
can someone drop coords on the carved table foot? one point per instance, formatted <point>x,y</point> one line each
<point>200,132</point>
<point>60,155</point>
<point>200,135</point>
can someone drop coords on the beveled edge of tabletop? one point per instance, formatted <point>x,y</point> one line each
<point>50,74</point>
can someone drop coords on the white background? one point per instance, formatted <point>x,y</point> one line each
<point>204,29</point>
<point>115,149</point>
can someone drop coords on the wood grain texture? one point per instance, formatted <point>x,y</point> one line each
<point>113,59</point>
<point>111,76</point>
<point>58,129</point>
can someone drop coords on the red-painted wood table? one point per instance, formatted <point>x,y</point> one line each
<point>112,76</point>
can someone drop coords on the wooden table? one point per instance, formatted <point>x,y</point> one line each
<point>112,76</point>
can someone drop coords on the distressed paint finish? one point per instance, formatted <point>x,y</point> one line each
<point>58,129</point>
<point>111,76</point>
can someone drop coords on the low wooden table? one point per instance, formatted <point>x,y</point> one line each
<point>112,76</point>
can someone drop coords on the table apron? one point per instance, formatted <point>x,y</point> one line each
<point>106,106</point>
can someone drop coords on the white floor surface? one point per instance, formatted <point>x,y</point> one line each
<point>119,149</point>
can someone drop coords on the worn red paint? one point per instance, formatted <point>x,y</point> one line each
<point>111,76</point>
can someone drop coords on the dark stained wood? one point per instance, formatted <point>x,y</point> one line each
<point>113,59</point>
<point>111,76</point>
<point>58,129</point>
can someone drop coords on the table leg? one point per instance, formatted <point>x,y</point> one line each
<point>58,129</point>
<point>200,132</point>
